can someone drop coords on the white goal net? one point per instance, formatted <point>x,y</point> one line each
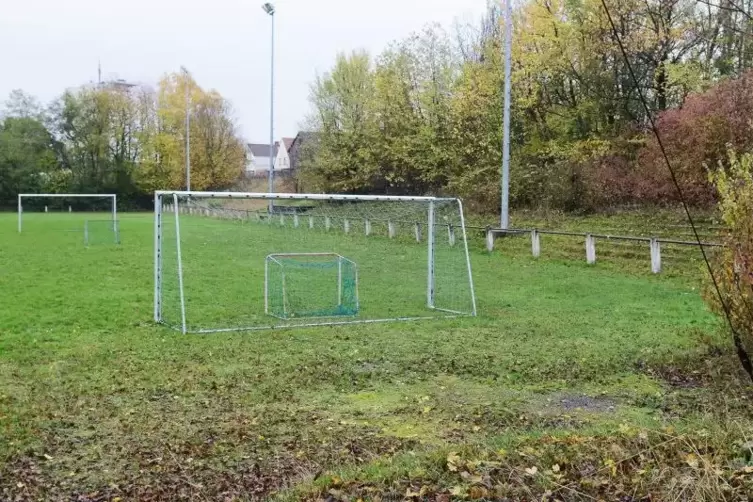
<point>229,261</point>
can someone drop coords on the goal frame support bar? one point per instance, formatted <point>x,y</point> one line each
<point>23,196</point>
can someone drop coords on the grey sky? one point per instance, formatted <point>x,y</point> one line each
<point>51,45</point>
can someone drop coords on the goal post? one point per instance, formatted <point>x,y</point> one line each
<point>224,262</point>
<point>113,198</point>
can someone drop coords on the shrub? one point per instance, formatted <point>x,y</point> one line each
<point>734,264</point>
<point>696,136</point>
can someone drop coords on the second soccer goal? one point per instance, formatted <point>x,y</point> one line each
<point>310,285</point>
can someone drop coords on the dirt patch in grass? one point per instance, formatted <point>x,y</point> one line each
<point>581,402</point>
<point>199,468</point>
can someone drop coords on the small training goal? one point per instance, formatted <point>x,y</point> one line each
<point>290,278</point>
<point>234,261</point>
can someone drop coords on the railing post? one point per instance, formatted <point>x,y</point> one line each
<point>590,249</point>
<point>489,239</point>
<point>367,227</point>
<point>346,225</point>
<point>417,229</point>
<point>451,234</point>
<point>535,243</point>
<point>311,222</point>
<point>655,256</point>
<point>391,230</point>
<point>327,222</point>
<point>295,220</point>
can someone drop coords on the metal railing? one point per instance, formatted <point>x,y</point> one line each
<point>490,234</point>
<point>655,243</point>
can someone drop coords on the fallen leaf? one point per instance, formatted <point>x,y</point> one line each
<point>453,459</point>
<point>556,468</point>
<point>410,494</point>
<point>477,492</point>
<point>692,460</point>
<point>531,471</point>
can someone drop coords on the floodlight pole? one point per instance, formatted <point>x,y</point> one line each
<point>505,214</point>
<point>187,77</point>
<point>270,9</point>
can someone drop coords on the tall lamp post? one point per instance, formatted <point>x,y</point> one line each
<point>270,9</point>
<point>505,213</point>
<point>187,76</point>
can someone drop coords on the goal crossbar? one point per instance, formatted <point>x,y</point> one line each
<point>23,196</point>
<point>296,196</point>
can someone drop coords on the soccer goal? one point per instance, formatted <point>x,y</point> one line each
<point>231,261</point>
<point>68,209</point>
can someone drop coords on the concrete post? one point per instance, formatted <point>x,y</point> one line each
<point>391,230</point>
<point>655,256</point>
<point>590,249</point>
<point>417,230</point>
<point>535,243</point>
<point>346,225</point>
<point>451,235</point>
<point>367,227</point>
<point>489,240</point>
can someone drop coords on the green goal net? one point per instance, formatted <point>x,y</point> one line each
<point>310,285</point>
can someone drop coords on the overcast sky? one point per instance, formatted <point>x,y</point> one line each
<point>51,45</point>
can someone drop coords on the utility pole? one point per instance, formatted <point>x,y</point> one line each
<point>505,215</point>
<point>187,77</point>
<point>270,9</point>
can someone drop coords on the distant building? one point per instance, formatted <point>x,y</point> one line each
<point>117,85</point>
<point>257,158</point>
<point>282,161</point>
<point>302,145</point>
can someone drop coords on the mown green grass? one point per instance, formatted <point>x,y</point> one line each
<point>96,398</point>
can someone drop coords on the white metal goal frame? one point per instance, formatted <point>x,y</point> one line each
<point>23,196</point>
<point>274,258</point>
<point>161,196</point>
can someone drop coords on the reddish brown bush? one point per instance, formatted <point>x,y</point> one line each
<point>697,136</point>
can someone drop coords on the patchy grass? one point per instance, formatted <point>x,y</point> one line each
<point>615,378</point>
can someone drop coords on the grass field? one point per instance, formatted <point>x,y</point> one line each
<point>574,383</point>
